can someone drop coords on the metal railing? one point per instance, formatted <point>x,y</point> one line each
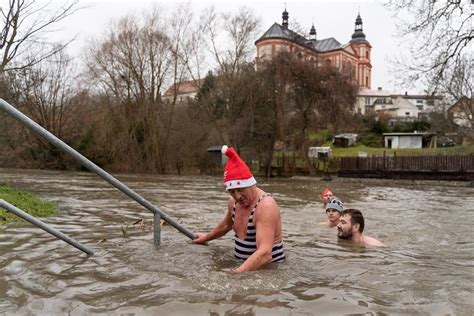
<point>39,130</point>
<point>27,217</point>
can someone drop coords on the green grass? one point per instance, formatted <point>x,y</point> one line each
<point>25,201</point>
<point>320,135</point>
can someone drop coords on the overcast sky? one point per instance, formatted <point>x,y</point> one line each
<point>332,18</point>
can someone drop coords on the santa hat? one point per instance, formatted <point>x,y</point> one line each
<point>236,172</point>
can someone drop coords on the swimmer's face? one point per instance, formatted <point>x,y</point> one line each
<point>243,196</point>
<point>345,228</point>
<point>327,196</point>
<point>333,215</point>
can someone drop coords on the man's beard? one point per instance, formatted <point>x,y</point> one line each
<point>344,235</point>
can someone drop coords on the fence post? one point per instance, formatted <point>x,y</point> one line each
<point>156,229</point>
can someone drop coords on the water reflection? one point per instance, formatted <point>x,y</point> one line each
<point>425,268</point>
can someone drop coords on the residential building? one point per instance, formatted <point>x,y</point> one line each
<point>462,112</point>
<point>367,97</point>
<point>396,110</point>
<point>425,103</point>
<point>182,91</point>
<point>399,107</point>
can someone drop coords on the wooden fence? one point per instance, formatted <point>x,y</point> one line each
<point>446,167</point>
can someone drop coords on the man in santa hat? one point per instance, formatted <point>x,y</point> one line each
<point>252,214</point>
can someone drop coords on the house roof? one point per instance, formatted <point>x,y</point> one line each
<point>464,104</point>
<point>376,93</point>
<point>346,135</point>
<point>418,96</point>
<point>214,148</point>
<point>402,103</point>
<point>421,134</point>
<point>184,87</point>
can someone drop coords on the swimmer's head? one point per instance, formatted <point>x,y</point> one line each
<point>334,204</point>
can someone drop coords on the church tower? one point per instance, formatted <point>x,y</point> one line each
<point>362,49</point>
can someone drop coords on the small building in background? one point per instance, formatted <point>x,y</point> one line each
<point>345,140</point>
<point>462,112</point>
<point>215,160</point>
<point>182,91</point>
<point>407,140</point>
<point>320,153</point>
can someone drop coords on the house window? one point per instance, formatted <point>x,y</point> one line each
<point>367,100</point>
<point>419,101</point>
<point>407,113</point>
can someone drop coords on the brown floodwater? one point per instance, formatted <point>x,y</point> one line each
<point>426,267</point>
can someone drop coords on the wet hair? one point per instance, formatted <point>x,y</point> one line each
<point>356,217</point>
<point>325,191</point>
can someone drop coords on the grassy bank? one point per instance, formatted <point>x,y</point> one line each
<point>25,201</point>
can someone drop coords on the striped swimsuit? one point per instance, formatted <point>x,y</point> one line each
<point>244,248</point>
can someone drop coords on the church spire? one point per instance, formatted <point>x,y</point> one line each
<point>312,33</point>
<point>285,19</point>
<point>358,32</point>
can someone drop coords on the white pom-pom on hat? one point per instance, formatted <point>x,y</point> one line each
<point>224,149</point>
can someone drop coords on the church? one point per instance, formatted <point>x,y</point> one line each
<point>353,56</point>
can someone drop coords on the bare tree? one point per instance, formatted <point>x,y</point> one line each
<point>25,24</point>
<point>130,67</point>
<point>232,51</point>
<point>234,46</point>
<point>440,36</point>
<point>322,98</point>
<point>43,92</point>
<point>459,87</point>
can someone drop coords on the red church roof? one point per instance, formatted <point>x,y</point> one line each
<point>184,87</point>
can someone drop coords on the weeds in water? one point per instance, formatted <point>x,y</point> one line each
<point>124,230</point>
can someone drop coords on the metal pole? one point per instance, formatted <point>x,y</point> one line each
<point>156,229</point>
<point>35,127</point>
<point>27,217</point>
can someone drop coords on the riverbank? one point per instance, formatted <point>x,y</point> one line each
<point>28,202</point>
